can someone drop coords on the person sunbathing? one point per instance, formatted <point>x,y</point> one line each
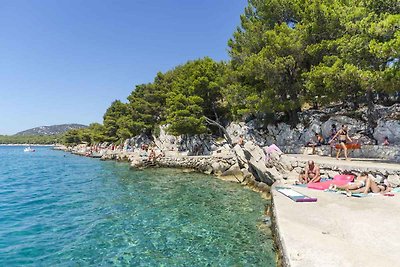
<point>311,174</point>
<point>361,184</point>
<point>379,188</point>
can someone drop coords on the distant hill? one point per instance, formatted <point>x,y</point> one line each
<point>51,130</point>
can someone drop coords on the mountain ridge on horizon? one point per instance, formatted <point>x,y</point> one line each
<point>51,129</point>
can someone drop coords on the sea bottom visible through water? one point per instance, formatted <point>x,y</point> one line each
<point>60,209</point>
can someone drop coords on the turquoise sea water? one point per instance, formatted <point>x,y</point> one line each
<point>58,209</point>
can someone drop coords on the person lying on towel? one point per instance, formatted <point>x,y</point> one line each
<point>361,184</point>
<point>383,187</point>
<point>311,174</point>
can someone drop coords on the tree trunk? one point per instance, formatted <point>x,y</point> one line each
<point>222,128</point>
<point>371,117</point>
<point>216,117</point>
<point>292,116</point>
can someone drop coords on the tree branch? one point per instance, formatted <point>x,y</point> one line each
<point>222,128</point>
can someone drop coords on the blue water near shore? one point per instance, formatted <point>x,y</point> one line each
<point>58,209</point>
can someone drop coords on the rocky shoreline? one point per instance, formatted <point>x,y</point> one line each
<point>248,165</point>
<point>225,164</point>
<point>254,164</point>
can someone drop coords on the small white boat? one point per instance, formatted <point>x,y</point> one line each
<point>29,149</point>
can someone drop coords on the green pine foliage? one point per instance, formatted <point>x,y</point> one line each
<point>30,139</point>
<point>285,55</point>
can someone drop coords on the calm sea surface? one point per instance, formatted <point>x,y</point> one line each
<point>57,209</point>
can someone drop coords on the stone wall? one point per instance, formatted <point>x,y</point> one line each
<point>329,170</point>
<point>205,164</point>
<point>390,153</point>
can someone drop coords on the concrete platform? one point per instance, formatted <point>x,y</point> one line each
<point>372,165</point>
<point>338,230</point>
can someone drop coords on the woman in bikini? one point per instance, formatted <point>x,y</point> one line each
<point>361,184</point>
<point>343,137</point>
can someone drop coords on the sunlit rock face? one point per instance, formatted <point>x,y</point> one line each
<point>321,121</point>
<point>389,128</point>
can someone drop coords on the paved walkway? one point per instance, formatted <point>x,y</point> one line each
<point>339,231</point>
<point>354,163</point>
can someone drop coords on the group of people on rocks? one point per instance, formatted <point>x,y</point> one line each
<point>149,151</point>
<point>361,184</point>
<point>337,139</point>
<point>340,137</point>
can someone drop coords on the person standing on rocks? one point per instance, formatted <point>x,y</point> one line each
<point>386,141</point>
<point>333,133</point>
<point>317,140</point>
<point>241,140</point>
<point>343,135</point>
<point>311,174</point>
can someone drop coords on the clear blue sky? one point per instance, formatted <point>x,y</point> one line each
<point>65,61</point>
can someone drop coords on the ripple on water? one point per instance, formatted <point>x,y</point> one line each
<point>70,210</point>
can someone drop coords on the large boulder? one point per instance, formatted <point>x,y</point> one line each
<point>165,141</point>
<point>139,140</point>
<point>261,172</point>
<point>389,128</point>
<point>234,173</point>
<point>255,158</point>
<point>394,180</point>
<point>253,151</point>
<point>353,124</point>
<point>240,156</point>
<point>249,130</point>
<point>284,135</point>
<point>138,162</point>
<point>285,163</point>
<point>236,129</point>
<point>193,145</point>
<point>392,112</point>
<point>233,170</point>
<point>219,167</point>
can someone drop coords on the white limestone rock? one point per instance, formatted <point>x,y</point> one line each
<point>255,158</point>
<point>240,155</point>
<point>233,170</point>
<point>219,167</point>
<point>389,128</point>
<point>286,163</point>
<point>394,180</point>
<point>254,151</point>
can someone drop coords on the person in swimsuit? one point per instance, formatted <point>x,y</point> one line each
<point>152,155</point>
<point>386,141</point>
<point>343,135</point>
<point>379,188</point>
<point>241,140</point>
<point>361,184</point>
<point>311,174</point>
<point>333,133</point>
<point>317,140</point>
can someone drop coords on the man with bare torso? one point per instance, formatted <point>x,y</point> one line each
<point>311,174</point>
